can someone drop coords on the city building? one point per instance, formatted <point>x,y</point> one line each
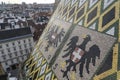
<point>38,14</point>
<point>16,41</point>
<point>39,18</point>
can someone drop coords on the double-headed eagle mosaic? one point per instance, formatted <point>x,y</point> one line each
<point>54,36</point>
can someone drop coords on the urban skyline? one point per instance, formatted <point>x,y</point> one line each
<point>28,1</point>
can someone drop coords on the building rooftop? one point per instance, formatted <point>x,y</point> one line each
<point>14,33</point>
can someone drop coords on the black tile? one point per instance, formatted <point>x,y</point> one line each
<point>65,10</point>
<point>92,14</point>
<point>33,67</point>
<point>80,13</point>
<point>71,12</point>
<point>108,17</point>
<point>35,75</point>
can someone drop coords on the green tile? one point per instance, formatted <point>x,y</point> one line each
<point>111,77</point>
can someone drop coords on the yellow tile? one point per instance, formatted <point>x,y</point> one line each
<point>104,74</point>
<point>118,75</point>
<point>115,57</point>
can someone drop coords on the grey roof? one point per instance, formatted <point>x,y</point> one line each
<point>15,33</point>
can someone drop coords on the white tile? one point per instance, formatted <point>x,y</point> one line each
<point>39,61</point>
<point>81,22</point>
<point>107,3</point>
<point>67,1</point>
<point>73,2</point>
<point>71,20</point>
<point>43,69</point>
<point>81,2</point>
<point>48,76</point>
<point>111,31</point>
<point>92,2</point>
<point>93,26</point>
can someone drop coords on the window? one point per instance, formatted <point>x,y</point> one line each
<point>0,46</point>
<point>6,63</point>
<point>30,49</point>
<point>15,53</point>
<point>26,50</point>
<point>23,58</point>
<point>14,48</point>
<point>12,61</point>
<point>21,52</point>
<point>13,43</point>
<point>29,40</point>
<point>30,44</point>
<point>17,59</point>
<point>20,47</point>
<point>25,45</point>
<point>18,42</point>
<point>24,41</point>
<point>10,55</point>
<point>4,57</point>
<point>8,49</point>
<point>26,55</point>
<point>2,52</point>
<point>7,45</point>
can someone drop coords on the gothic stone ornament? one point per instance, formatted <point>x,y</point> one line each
<point>82,55</point>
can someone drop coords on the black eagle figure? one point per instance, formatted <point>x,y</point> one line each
<point>71,46</point>
<point>78,55</point>
<point>54,37</point>
<point>91,55</point>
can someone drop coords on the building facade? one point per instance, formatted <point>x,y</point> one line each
<point>16,41</point>
<point>15,50</point>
